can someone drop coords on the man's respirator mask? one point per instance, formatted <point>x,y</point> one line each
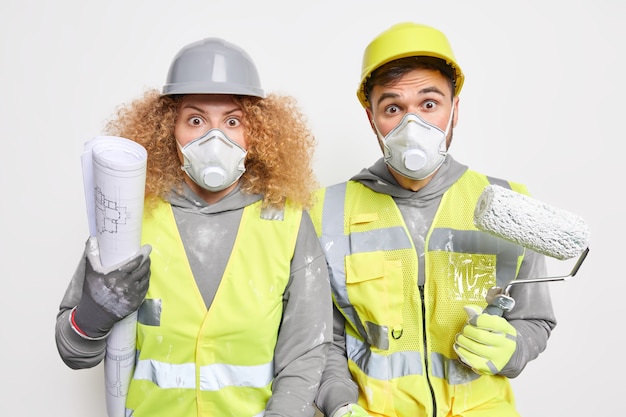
<point>415,148</point>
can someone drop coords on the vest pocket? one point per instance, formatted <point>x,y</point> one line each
<point>374,286</point>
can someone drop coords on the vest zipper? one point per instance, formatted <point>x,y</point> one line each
<point>426,359</point>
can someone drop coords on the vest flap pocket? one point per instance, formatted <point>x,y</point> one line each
<point>375,289</point>
<point>364,267</point>
<point>363,218</point>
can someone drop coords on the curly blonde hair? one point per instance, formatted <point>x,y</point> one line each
<point>280,146</point>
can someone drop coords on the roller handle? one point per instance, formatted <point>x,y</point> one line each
<point>498,302</point>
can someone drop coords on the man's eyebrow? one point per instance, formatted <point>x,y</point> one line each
<point>431,90</point>
<point>425,90</point>
<point>386,96</point>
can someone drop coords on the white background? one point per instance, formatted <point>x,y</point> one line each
<point>542,104</point>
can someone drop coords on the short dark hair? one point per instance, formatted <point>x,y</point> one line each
<point>388,73</point>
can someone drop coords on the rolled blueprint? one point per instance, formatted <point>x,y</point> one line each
<point>533,224</point>
<point>114,176</point>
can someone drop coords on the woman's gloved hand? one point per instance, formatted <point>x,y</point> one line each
<point>486,343</point>
<point>351,410</point>
<point>110,294</point>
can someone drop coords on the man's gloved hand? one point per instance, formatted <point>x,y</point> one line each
<point>351,410</point>
<point>486,343</point>
<point>110,294</point>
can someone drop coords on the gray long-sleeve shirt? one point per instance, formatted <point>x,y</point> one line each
<point>533,316</point>
<point>208,233</point>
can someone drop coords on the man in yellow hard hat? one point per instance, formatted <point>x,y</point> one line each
<point>409,270</point>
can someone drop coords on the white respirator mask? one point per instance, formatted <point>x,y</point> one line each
<point>213,161</point>
<point>415,148</point>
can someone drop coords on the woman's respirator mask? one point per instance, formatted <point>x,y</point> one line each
<point>213,161</point>
<point>415,148</point>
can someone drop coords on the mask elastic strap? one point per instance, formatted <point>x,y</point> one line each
<point>444,144</point>
<point>449,120</point>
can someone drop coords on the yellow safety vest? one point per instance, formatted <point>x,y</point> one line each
<point>399,339</point>
<point>217,362</point>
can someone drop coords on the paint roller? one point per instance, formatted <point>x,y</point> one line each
<point>520,219</point>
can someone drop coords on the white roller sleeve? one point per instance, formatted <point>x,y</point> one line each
<point>530,223</point>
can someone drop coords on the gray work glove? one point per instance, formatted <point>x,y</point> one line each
<point>110,294</point>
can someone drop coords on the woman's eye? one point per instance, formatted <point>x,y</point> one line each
<point>195,121</point>
<point>232,122</point>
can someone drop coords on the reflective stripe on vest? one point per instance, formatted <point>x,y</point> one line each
<point>405,363</point>
<point>212,377</point>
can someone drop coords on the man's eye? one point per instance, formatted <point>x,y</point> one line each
<point>393,109</point>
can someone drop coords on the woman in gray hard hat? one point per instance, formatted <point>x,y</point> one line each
<point>235,311</point>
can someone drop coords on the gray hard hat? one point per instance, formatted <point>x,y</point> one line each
<point>213,66</point>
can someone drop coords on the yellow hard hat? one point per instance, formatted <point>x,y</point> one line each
<point>403,40</point>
